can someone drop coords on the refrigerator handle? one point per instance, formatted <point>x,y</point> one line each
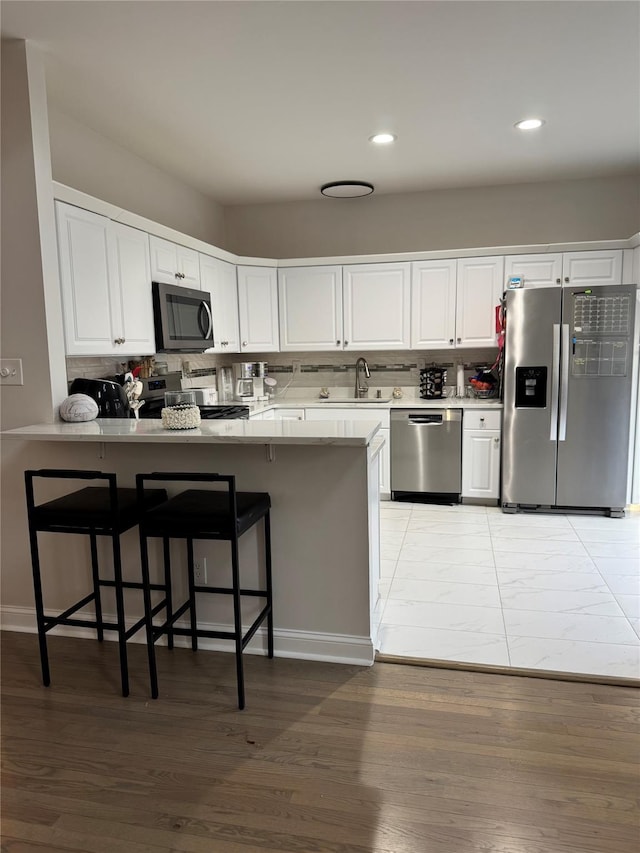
<point>564,386</point>
<point>555,381</point>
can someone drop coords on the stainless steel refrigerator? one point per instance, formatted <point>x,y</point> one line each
<point>568,382</point>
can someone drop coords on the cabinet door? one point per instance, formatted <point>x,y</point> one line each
<point>377,306</point>
<point>219,279</point>
<point>481,463</point>
<point>310,306</point>
<point>433,304</point>
<point>592,268</point>
<point>537,270</point>
<point>289,414</point>
<point>258,309</point>
<point>130,277</point>
<point>478,291</point>
<point>173,264</point>
<point>188,267</point>
<point>83,252</point>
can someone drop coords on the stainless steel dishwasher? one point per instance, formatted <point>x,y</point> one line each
<point>426,454</point>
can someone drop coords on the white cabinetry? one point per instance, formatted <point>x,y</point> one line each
<point>377,306</point>
<point>478,291</point>
<point>481,454</point>
<point>174,264</point>
<point>310,304</point>
<point>433,304</point>
<point>537,270</point>
<point>568,268</point>
<point>385,466</point>
<point>219,279</point>
<point>289,414</point>
<point>105,279</point>
<point>592,268</point>
<point>258,309</point>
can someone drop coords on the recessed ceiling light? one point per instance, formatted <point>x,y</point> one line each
<point>529,124</point>
<point>383,138</point>
<point>346,189</point>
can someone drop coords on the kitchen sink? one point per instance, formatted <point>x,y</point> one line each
<point>348,401</point>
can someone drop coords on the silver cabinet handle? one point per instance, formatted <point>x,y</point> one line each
<point>244,343</point>
<point>337,343</point>
<point>346,343</point>
<point>459,340</point>
<point>558,281</point>
<point>567,279</point>
<point>496,440</point>
<point>450,340</point>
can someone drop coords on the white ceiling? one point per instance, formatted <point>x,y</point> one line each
<point>265,101</point>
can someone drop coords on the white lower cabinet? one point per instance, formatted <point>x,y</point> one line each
<point>289,414</point>
<point>481,454</point>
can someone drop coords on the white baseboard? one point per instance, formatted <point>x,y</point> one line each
<point>304,645</point>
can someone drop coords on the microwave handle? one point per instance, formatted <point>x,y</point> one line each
<point>209,332</point>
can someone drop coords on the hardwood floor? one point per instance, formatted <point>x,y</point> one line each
<point>325,759</point>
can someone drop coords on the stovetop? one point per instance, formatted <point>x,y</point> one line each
<point>153,409</point>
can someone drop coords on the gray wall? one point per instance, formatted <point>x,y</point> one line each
<point>553,212</point>
<point>88,161</point>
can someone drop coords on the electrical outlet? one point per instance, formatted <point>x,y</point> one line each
<point>200,570</point>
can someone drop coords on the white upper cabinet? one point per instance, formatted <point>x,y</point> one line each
<point>174,264</point>
<point>258,309</point>
<point>537,270</point>
<point>433,304</point>
<point>479,289</point>
<point>106,285</point>
<point>592,268</point>
<point>310,305</point>
<point>131,281</point>
<point>377,306</point>
<point>219,279</point>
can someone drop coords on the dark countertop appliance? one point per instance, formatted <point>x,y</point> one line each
<point>110,396</point>
<point>153,395</point>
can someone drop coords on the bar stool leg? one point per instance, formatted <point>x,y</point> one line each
<point>267,553</point>
<point>167,589</point>
<point>146,595</point>
<point>96,586</point>
<point>122,640</point>
<point>37,588</point>
<point>237,618</point>
<point>192,595</point>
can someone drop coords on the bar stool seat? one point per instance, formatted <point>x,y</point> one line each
<point>92,511</point>
<point>204,514</point>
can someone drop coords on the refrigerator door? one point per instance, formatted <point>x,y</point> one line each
<point>531,377</point>
<point>594,419</point>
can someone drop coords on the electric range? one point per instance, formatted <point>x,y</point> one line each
<point>153,395</point>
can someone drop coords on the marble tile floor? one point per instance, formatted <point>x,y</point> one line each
<point>548,592</point>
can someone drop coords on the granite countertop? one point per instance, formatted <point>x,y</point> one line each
<point>118,430</point>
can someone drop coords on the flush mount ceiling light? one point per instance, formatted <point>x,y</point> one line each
<point>346,189</point>
<point>383,138</point>
<point>529,124</point>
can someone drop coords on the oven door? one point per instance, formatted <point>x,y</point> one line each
<point>182,318</point>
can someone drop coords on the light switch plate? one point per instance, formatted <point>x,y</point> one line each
<point>11,371</point>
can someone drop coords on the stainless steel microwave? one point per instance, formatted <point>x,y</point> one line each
<point>182,318</point>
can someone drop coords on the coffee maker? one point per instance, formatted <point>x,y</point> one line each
<point>248,380</point>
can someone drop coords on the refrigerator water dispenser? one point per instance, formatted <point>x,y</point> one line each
<point>531,387</point>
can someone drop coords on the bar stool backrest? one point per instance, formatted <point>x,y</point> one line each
<point>183,477</point>
<point>70,474</point>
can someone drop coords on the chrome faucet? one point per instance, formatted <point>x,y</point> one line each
<point>362,390</point>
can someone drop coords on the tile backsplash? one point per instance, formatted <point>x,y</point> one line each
<point>306,369</point>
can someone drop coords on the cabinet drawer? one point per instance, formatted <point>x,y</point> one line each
<point>481,419</point>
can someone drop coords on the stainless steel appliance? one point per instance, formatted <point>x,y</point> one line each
<point>182,318</point>
<point>426,454</point>
<point>567,398</point>
<point>110,396</point>
<point>248,380</point>
<point>155,388</point>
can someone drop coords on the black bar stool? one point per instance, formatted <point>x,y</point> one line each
<point>93,511</point>
<point>204,514</point>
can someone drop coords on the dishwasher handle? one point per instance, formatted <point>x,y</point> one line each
<point>425,420</point>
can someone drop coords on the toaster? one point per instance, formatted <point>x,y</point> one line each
<point>206,396</point>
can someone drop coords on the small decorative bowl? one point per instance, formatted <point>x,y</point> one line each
<point>180,417</point>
